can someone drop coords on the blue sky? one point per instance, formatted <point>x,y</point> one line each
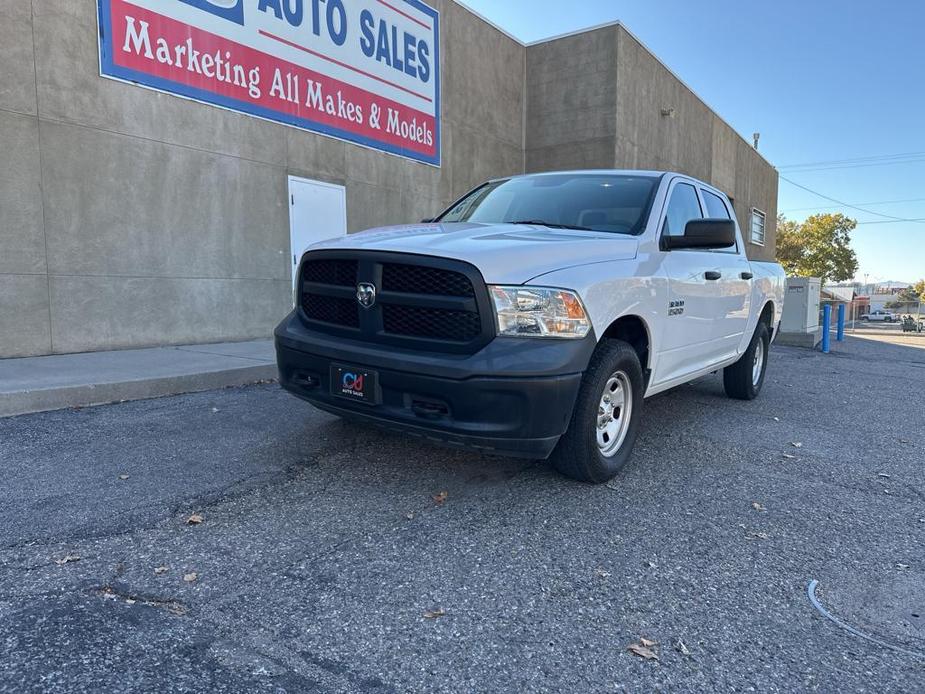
<point>821,81</point>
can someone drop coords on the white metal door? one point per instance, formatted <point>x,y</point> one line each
<point>317,211</point>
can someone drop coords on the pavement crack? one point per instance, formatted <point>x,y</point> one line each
<point>110,592</point>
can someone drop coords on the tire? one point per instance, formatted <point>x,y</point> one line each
<point>741,380</point>
<point>614,366</point>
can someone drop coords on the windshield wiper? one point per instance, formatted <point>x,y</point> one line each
<point>541,223</point>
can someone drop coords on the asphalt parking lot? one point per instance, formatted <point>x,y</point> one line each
<point>337,559</point>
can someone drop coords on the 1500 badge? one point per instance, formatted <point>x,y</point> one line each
<point>675,308</point>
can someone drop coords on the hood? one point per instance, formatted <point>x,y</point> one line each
<point>504,253</point>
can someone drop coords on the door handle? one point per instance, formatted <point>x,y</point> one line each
<point>746,275</point>
<point>712,275</point>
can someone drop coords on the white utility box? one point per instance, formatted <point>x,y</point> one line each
<point>800,323</point>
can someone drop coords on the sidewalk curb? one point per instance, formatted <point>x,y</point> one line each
<point>86,395</point>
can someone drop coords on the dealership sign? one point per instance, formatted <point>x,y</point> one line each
<point>366,71</point>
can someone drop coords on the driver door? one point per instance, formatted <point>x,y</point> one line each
<point>694,295</point>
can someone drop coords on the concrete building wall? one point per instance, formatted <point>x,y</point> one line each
<point>692,139</point>
<point>596,99</point>
<point>571,102</point>
<point>131,218</point>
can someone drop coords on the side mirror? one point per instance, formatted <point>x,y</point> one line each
<point>429,220</point>
<point>703,233</point>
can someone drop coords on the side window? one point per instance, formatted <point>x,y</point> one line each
<point>682,208</point>
<point>716,208</point>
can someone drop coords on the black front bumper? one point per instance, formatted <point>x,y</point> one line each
<point>513,397</point>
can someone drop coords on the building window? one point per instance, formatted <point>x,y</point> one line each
<point>757,235</point>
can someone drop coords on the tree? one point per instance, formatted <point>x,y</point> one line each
<point>819,247</point>
<point>908,295</point>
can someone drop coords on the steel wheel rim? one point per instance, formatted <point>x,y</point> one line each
<point>758,363</point>
<point>613,414</point>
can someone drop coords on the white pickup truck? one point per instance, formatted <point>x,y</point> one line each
<point>534,315</point>
<point>878,315</point>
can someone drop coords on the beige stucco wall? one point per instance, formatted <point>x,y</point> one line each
<point>595,99</point>
<point>131,218</point>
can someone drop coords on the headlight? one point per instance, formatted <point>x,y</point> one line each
<point>539,312</point>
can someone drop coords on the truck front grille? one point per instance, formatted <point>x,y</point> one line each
<point>455,326</point>
<point>418,279</point>
<point>341,273</point>
<point>434,304</point>
<point>331,309</point>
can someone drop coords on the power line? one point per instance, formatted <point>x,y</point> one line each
<point>878,202</point>
<point>845,204</point>
<point>867,165</point>
<point>876,157</point>
<point>891,221</point>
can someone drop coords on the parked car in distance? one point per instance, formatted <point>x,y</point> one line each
<point>534,316</point>
<point>879,315</point>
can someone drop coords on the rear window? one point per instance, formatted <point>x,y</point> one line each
<point>716,208</point>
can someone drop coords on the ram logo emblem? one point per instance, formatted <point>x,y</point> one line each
<point>366,294</point>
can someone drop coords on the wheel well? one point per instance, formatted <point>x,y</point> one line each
<point>767,315</point>
<point>632,330</point>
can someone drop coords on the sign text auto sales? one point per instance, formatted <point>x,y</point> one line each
<point>366,71</point>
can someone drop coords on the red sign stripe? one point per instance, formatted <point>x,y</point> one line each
<point>342,64</point>
<point>405,14</point>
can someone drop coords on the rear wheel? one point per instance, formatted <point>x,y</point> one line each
<point>605,421</point>
<point>743,380</point>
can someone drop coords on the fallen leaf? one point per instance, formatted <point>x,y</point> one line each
<point>756,536</point>
<point>796,444</point>
<point>190,577</point>
<point>214,409</point>
<point>67,559</point>
<point>789,457</point>
<point>410,516</point>
<point>601,573</point>
<point>642,651</point>
<point>160,570</point>
<point>902,567</point>
<point>195,519</point>
<point>123,477</point>
<point>435,614</point>
<point>758,507</point>
<point>777,419</point>
<point>441,497</point>
<point>651,565</point>
<point>130,601</point>
<point>682,648</point>
<point>648,643</point>
<point>883,475</point>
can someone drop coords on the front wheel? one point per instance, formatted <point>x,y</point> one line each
<point>743,380</point>
<point>605,421</point>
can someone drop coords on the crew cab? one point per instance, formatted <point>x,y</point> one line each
<point>879,315</point>
<point>534,316</point>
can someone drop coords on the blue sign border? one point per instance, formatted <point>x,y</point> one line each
<point>108,68</point>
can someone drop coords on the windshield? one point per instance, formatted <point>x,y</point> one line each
<point>598,202</point>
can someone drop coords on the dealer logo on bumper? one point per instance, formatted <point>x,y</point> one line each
<point>366,294</point>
